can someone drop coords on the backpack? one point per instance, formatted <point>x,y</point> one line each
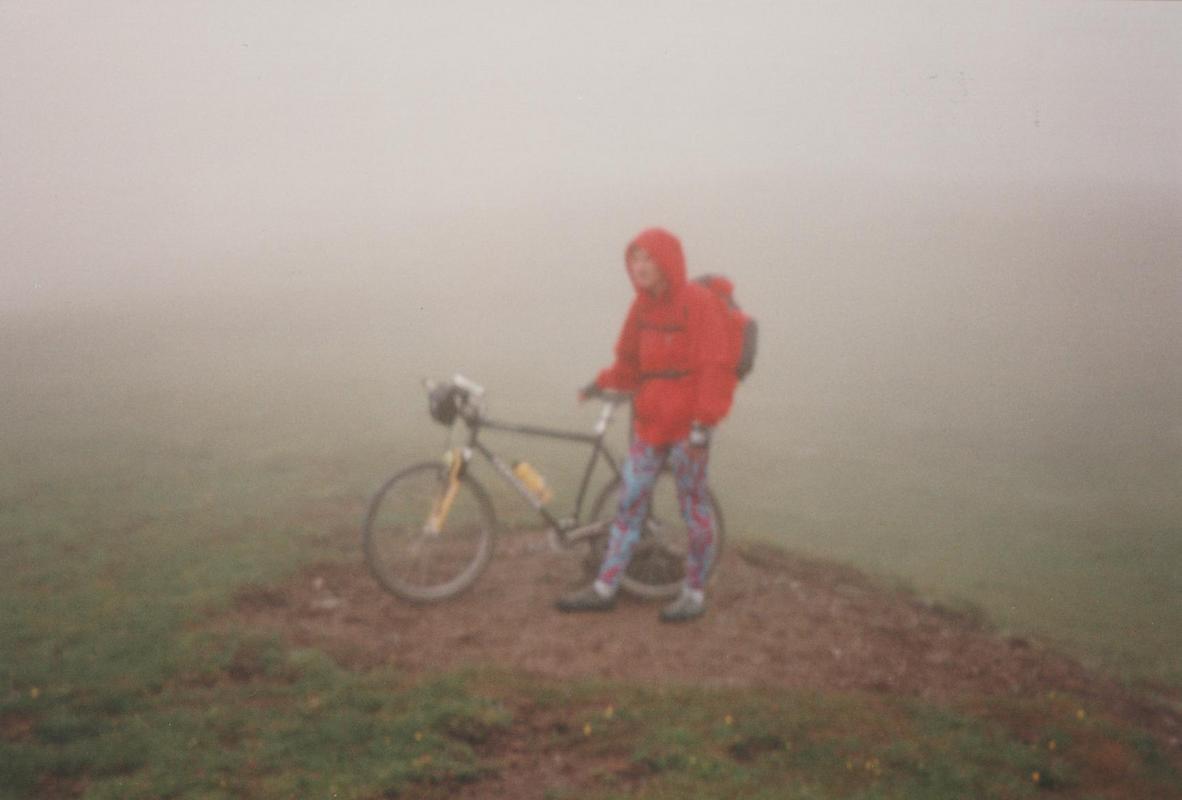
<point>742,329</point>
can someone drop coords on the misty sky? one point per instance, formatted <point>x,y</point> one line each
<point>137,138</point>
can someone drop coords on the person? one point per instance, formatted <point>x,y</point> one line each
<point>672,355</point>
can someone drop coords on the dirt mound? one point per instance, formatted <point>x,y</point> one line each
<point>774,620</point>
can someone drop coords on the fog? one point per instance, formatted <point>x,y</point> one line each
<point>958,225</point>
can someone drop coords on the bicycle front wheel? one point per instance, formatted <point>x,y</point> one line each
<point>657,568</point>
<point>415,552</point>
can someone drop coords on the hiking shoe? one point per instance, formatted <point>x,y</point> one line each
<point>586,599</point>
<point>687,606</point>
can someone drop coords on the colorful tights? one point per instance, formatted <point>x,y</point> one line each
<point>639,475</point>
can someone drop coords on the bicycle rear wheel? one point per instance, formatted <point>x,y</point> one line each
<point>657,568</point>
<point>409,558</point>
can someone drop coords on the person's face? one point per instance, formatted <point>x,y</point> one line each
<point>645,272</point>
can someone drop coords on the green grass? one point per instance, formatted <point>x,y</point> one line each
<point>247,716</point>
<point>142,486</point>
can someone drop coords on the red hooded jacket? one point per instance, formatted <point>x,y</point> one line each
<point>673,351</point>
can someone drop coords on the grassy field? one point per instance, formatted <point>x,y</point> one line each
<point>154,466</point>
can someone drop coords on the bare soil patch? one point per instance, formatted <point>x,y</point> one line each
<point>775,620</point>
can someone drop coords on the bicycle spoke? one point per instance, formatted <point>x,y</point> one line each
<point>412,559</point>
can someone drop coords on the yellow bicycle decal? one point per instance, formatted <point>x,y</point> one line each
<point>443,503</point>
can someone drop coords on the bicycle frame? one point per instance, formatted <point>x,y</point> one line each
<point>390,539</point>
<point>477,423</point>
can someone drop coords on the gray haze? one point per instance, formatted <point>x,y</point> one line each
<point>942,195</point>
<point>145,143</point>
<point>957,222</point>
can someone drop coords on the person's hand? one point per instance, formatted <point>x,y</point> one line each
<point>699,435</point>
<point>589,391</point>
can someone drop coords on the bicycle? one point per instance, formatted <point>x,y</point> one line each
<point>431,529</point>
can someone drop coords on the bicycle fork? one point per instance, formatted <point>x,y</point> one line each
<point>441,507</point>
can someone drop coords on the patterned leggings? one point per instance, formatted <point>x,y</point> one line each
<point>639,474</point>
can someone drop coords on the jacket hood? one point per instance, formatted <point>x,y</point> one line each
<point>665,249</point>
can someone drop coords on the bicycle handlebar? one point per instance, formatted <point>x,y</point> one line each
<point>460,397</point>
<point>475,391</point>
<point>469,394</point>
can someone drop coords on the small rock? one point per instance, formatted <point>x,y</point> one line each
<point>326,604</point>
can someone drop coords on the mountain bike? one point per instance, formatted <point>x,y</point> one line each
<point>431,529</point>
